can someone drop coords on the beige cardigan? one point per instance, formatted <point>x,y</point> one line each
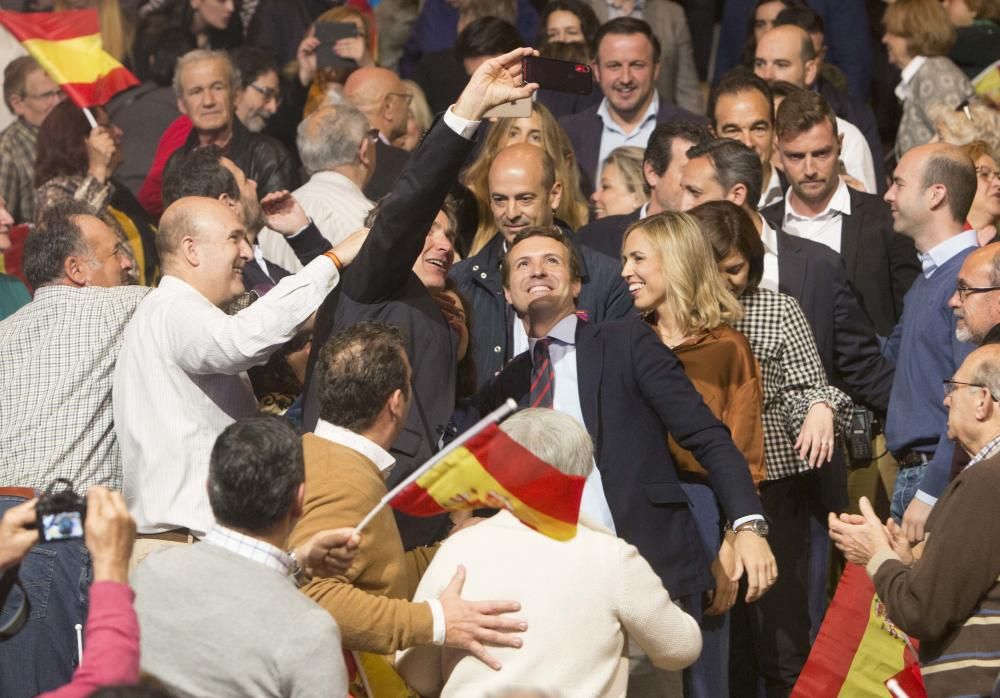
<point>580,599</point>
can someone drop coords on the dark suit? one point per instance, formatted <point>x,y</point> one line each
<point>380,285</point>
<point>307,246</point>
<point>605,235</point>
<point>633,392</point>
<point>881,264</point>
<point>389,164</point>
<point>584,131</point>
<point>603,296</point>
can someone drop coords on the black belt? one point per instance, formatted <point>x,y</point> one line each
<point>911,459</point>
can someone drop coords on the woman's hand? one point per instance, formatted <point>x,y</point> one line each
<point>306,58</point>
<point>354,49</point>
<point>101,150</point>
<point>815,442</point>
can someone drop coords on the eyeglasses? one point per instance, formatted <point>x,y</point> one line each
<point>267,93</point>
<point>966,291</point>
<point>405,96</point>
<point>987,174</point>
<point>47,96</point>
<point>951,385</point>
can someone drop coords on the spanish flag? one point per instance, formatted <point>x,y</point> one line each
<point>68,46</point>
<point>492,470</point>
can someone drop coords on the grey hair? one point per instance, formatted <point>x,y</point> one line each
<point>987,374</point>
<point>199,55</point>
<point>554,437</point>
<point>331,136</point>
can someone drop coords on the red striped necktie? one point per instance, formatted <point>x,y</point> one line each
<point>543,378</point>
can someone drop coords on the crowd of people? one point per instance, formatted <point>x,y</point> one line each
<point>747,291</point>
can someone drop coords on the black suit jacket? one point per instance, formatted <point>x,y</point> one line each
<point>814,275</point>
<point>881,264</point>
<point>389,164</point>
<point>605,235</point>
<point>380,285</point>
<point>633,391</point>
<point>584,131</point>
<point>307,246</point>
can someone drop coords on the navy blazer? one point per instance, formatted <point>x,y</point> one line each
<point>605,235</point>
<point>884,272</point>
<point>584,131</point>
<point>633,392</point>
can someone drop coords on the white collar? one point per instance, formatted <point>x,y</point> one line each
<point>249,547</point>
<point>768,236</point>
<point>651,111</point>
<point>564,331</point>
<point>909,72</point>
<point>840,202</point>
<point>382,459</point>
<point>938,255</point>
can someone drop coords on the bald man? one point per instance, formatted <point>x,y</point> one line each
<point>787,53</point>
<point>380,95</point>
<point>949,597</point>
<point>180,378</point>
<point>976,301</point>
<point>932,191</point>
<point>524,193</point>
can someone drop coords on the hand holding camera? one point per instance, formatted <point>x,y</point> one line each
<point>17,533</point>
<point>110,533</point>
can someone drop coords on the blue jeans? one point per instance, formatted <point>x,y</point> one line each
<point>907,483</point>
<point>43,655</point>
<point>709,676</point>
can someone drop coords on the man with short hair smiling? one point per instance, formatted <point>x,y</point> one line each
<point>975,303</point>
<point>524,193</point>
<point>881,264</point>
<point>626,65</point>
<point>787,53</point>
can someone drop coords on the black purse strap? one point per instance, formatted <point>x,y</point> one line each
<point>9,580</point>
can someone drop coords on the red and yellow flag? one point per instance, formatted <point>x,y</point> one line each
<point>68,46</point>
<point>492,470</point>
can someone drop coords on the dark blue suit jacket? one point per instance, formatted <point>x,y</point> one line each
<point>633,392</point>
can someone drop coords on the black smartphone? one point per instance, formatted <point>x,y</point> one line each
<point>561,76</point>
<point>328,34</point>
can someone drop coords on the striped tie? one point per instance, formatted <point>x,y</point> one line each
<point>542,377</point>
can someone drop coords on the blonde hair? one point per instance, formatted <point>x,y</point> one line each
<point>117,34</point>
<point>923,23</point>
<point>418,105</point>
<point>572,209</point>
<point>628,160</point>
<point>697,297</point>
<point>976,122</point>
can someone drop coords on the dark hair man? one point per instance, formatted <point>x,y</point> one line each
<point>259,94</point>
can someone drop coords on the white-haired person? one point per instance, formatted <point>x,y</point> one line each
<point>574,640</point>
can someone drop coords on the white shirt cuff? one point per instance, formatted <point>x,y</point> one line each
<point>744,519</point>
<point>925,498</point>
<point>437,614</point>
<point>463,127</point>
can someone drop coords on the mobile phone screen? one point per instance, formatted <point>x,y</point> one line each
<point>62,525</point>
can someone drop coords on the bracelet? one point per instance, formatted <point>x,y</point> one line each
<point>332,256</point>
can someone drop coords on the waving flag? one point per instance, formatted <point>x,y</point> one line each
<point>68,46</point>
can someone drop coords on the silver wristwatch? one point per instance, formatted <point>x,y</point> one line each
<point>758,526</point>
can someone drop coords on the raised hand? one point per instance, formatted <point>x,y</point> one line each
<point>495,82</point>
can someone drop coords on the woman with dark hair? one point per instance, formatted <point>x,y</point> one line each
<point>802,415</point>
<point>568,21</point>
<point>77,162</point>
<point>215,24</point>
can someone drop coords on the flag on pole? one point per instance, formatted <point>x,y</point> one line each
<point>858,649</point>
<point>68,47</point>
<point>492,470</point>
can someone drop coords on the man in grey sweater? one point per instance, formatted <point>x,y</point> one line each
<point>223,617</point>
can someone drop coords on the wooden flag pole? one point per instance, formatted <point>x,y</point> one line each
<point>495,416</point>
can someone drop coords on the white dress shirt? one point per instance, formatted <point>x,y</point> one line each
<point>180,380</point>
<point>384,461</point>
<point>612,135</point>
<point>334,203</point>
<point>770,239</point>
<point>772,192</point>
<point>566,398</point>
<point>906,77</point>
<point>856,155</point>
<point>824,227</point>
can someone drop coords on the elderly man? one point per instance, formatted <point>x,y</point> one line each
<point>180,378</point>
<point>206,83</point>
<point>524,193</point>
<point>945,591</point>
<point>381,96</point>
<point>933,188</point>
<point>339,152</point>
<point>242,573</point>
<point>207,172</point>
<point>59,355</point>
<point>31,94</point>
<point>974,303</point>
<point>259,94</point>
<point>572,639</point>
<point>627,66</point>
<point>364,393</point>
<point>404,263</point>
<point>787,53</point>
